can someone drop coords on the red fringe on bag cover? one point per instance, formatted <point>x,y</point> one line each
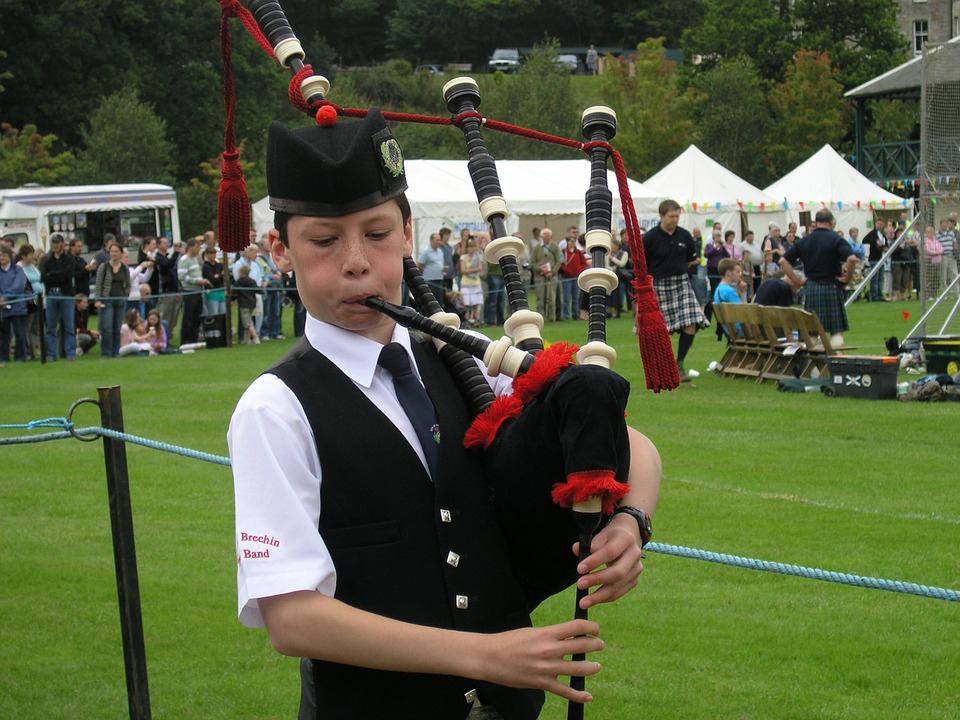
<point>547,366</point>
<point>582,486</point>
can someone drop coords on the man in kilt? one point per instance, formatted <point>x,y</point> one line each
<point>828,261</point>
<point>670,251</point>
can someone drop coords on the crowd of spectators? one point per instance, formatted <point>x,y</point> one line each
<point>187,281</point>
<point>139,302</point>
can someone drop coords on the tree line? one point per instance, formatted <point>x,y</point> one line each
<point>97,91</point>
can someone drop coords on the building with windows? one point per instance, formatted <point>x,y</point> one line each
<point>929,21</point>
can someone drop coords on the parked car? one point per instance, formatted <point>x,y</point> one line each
<point>430,69</point>
<point>505,60</point>
<point>568,63</point>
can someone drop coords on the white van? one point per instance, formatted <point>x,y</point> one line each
<point>30,214</point>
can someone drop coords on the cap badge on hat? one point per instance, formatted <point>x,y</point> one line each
<point>392,157</point>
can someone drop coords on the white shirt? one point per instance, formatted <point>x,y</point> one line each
<point>276,470</point>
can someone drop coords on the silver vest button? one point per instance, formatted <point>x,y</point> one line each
<point>445,516</point>
<point>453,559</point>
<point>463,602</point>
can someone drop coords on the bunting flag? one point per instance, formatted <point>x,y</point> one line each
<point>694,207</point>
<point>740,204</point>
<point>801,204</point>
<point>718,206</point>
<point>840,206</point>
<point>763,206</point>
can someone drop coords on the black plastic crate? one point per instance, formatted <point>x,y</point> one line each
<point>873,378</point>
<point>941,354</point>
<point>214,330</point>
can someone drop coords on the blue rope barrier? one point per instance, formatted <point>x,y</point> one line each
<point>897,586</point>
<point>35,438</point>
<point>48,422</point>
<point>810,573</point>
<point>72,431</point>
<point>156,445</point>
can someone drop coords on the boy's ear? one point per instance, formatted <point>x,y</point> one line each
<point>408,238</point>
<point>279,252</point>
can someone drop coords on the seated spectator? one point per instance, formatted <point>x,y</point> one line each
<point>146,303</point>
<point>134,335</point>
<point>156,335</point>
<point>247,290</point>
<point>731,282</point>
<point>87,339</point>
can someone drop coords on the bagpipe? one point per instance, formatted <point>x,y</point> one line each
<point>559,442</point>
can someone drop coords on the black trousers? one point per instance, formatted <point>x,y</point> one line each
<point>192,310</point>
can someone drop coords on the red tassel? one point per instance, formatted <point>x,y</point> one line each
<point>582,486</point>
<point>656,351</point>
<point>233,207</point>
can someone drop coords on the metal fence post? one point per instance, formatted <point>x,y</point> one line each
<point>125,555</point>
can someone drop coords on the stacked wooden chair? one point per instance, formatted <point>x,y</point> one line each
<point>772,343</point>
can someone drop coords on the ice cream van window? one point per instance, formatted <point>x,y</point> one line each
<point>138,223</point>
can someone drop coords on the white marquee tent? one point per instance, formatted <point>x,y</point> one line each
<point>825,179</point>
<point>541,193</point>
<point>709,193</point>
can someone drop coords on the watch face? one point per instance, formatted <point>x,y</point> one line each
<point>646,527</point>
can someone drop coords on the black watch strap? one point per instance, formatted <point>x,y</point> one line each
<point>643,522</point>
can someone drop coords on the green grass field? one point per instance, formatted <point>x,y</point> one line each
<point>856,486</point>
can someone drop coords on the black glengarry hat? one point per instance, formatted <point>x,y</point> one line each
<point>336,170</point>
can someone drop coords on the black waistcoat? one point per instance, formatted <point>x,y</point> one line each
<point>404,547</point>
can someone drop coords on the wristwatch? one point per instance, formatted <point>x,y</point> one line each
<point>643,521</point>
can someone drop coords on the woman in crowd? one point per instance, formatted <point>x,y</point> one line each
<point>471,265</point>
<point>14,289</point>
<point>112,290</point>
<point>214,298</point>
<point>622,266</point>
<point>932,258</point>
<point>139,274</point>
<point>27,256</point>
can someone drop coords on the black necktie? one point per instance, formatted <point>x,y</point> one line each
<point>414,400</point>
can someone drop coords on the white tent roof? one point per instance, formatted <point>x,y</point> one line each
<point>701,184</point>
<point>709,193</point>
<point>827,180</point>
<point>441,193</point>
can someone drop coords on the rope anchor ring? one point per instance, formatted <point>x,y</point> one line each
<point>82,438</point>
